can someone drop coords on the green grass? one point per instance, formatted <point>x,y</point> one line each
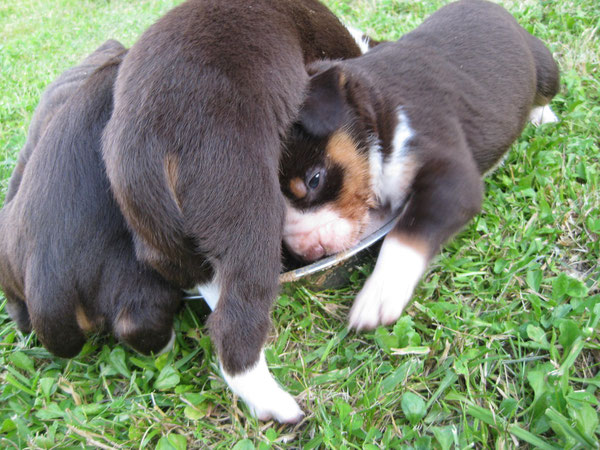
<point>500,348</point>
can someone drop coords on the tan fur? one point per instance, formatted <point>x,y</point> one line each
<point>83,321</point>
<point>356,196</point>
<point>123,325</point>
<point>297,187</point>
<point>171,173</point>
<point>342,80</point>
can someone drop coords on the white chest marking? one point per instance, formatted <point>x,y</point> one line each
<point>263,395</point>
<point>389,288</point>
<point>391,179</point>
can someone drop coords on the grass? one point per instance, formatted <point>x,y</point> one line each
<point>500,348</point>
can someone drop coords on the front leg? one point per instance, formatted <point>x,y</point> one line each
<point>400,265</point>
<point>446,194</point>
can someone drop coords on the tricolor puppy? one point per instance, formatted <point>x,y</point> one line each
<point>67,261</point>
<point>413,124</point>
<point>192,153</point>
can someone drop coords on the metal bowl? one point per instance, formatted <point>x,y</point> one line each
<point>334,271</point>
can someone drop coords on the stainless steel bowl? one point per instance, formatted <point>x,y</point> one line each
<point>334,271</point>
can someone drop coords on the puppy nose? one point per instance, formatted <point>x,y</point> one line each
<point>315,252</point>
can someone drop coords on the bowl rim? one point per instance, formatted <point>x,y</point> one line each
<point>329,262</point>
<point>337,258</point>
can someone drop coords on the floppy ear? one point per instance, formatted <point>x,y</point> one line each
<point>325,106</point>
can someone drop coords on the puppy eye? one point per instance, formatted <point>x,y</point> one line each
<point>315,180</point>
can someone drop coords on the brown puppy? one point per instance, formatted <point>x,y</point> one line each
<point>412,124</point>
<point>192,153</point>
<point>67,262</point>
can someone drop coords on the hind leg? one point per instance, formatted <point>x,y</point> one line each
<point>17,310</point>
<point>145,310</point>
<point>53,313</point>
<point>146,331</point>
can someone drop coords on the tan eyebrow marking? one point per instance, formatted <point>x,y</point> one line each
<point>297,187</point>
<point>356,195</point>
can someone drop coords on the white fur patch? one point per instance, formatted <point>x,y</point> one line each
<point>389,288</point>
<point>211,292</point>
<point>391,179</point>
<point>541,115</point>
<point>314,234</point>
<point>361,39</point>
<point>263,395</point>
<point>376,171</point>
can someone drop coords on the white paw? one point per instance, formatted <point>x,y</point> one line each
<point>389,288</point>
<point>542,114</point>
<point>263,395</point>
<point>280,406</point>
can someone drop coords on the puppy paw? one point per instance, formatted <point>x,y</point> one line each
<point>541,115</point>
<point>280,406</point>
<point>145,337</point>
<point>389,288</point>
<point>167,348</point>
<point>263,395</point>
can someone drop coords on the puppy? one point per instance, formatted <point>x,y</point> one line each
<point>192,153</point>
<point>67,262</point>
<point>412,124</point>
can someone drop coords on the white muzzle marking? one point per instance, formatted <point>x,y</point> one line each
<point>315,234</point>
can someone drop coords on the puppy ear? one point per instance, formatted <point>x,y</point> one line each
<point>324,108</point>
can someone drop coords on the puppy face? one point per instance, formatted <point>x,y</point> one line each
<point>325,171</point>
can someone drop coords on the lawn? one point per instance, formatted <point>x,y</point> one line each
<point>499,349</point>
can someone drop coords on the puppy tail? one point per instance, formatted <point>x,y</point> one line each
<point>145,183</point>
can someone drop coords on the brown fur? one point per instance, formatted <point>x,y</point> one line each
<point>67,262</point>
<point>466,79</point>
<point>216,84</point>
